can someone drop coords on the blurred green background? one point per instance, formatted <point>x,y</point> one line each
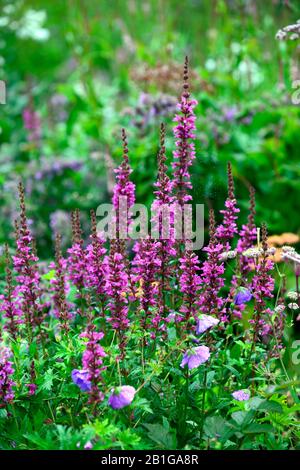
<point>84,69</point>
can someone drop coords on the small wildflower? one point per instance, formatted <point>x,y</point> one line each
<point>293,306</point>
<point>241,395</point>
<point>279,309</point>
<point>244,295</point>
<point>88,445</point>
<point>121,396</point>
<point>80,378</point>
<point>205,322</point>
<point>253,253</point>
<point>195,357</point>
<point>292,295</point>
<point>231,254</point>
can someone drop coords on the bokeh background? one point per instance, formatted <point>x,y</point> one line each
<point>77,71</point>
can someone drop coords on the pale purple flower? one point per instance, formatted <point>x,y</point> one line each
<point>121,396</point>
<point>241,395</point>
<point>81,379</point>
<point>243,295</point>
<point>205,322</point>
<point>195,357</point>
<point>88,445</point>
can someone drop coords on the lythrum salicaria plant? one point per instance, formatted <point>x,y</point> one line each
<point>128,344</point>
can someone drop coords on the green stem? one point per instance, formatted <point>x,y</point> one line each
<point>203,404</point>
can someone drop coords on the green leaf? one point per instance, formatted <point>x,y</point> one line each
<point>161,435</point>
<point>256,428</point>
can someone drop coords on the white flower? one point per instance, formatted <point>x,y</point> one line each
<point>293,306</point>
<point>292,295</point>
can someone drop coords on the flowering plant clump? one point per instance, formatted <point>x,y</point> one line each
<point>150,344</point>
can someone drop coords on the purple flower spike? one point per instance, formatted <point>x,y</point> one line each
<point>80,378</point>
<point>205,322</point>
<point>244,295</point>
<point>32,388</point>
<point>241,395</point>
<point>121,396</point>
<point>195,357</point>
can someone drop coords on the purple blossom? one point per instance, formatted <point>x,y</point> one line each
<point>6,372</point>
<point>121,396</point>
<point>32,124</point>
<point>25,265</point>
<point>195,357</point>
<point>92,362</point>
<point>243,295</point>
<point>117,290</point>
<point>248,237</point>
<point>241,395</point>
<point>184,135</point>
<point>228,229</point>
<point>77,259</point>
<point>11,303</point>
<point>262,287</point>
<point>163,217</point>
<point>145,266</point>
<point>205,322</point>
<point>189,282</point>
<point>212,276</point>
<point>32,388</point>
<point>95,252</point>
<point>230,113</point>
<point>124,190</point>
<point>80,378</point>
<point>88,445</point>
<point>59,288</point>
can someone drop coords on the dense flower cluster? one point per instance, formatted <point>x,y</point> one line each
<point>126,297</point>
<point>185,148</point>
<point>92,362</point>
<point>210,301</point>
<point>145,265</point>
<point>6,372</point>
<point>25,265</point>
<point>228,229</point>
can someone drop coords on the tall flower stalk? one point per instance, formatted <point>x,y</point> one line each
<point>92,362</point>
<point>212,271</point>
<point>10,305</point>
<point>145,266</point>
<point>77,259</point>
<point>263,286</point>
<point>163,221</point>
<point>189,282</point>
<point>117,290</point>
<point>228,228</point>
<point>184,141</point>
<point>61,307</point>
<point>95,251</point>
<point>123,195</point>
<point>247,238</point>
<point>6,373</point>
<point>28,278</point>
